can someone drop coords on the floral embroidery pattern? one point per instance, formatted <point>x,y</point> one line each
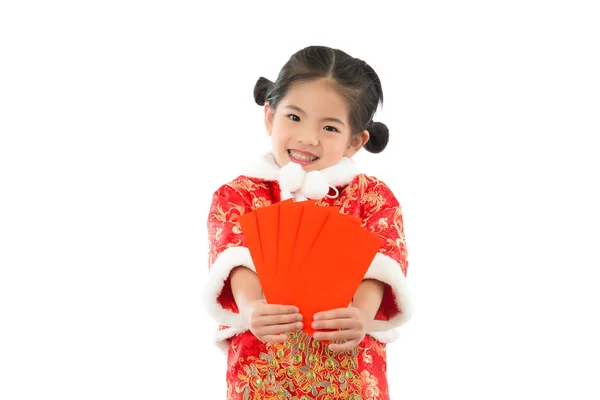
<point>258,202</point>
<point>303,368</point>
<point>248,185</point>
<point>388,224</point>
<point>224,228</point>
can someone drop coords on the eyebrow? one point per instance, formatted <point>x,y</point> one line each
<point>293,107</point>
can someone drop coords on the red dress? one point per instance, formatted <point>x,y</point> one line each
<point>303,368</point>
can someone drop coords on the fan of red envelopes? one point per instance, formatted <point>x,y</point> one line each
<point>309,256</point>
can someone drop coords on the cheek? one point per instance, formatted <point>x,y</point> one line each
<point>280,135</point>
<point>284,131</point>
<point>337,146</point>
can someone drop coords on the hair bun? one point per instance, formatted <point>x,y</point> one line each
<point>260,90</point>
<point>379,136</point>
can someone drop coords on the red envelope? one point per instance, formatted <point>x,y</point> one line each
<point>289,222</point>
<point>308,255</point>
<point>249,225</point>
<point>268,225</point>
<point>335,267</point>
<point>313,220</point>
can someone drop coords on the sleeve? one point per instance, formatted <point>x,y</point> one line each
<point>227,250</point>
<point>382,216</point>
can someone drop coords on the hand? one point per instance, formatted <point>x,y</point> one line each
<point>349,324</point>
<point>271,322</point>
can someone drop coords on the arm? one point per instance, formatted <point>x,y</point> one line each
<point>368,298</point>
<point>382,216</point>
<point>227,251</point>
<point>245,287</point>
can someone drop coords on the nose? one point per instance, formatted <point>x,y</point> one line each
<point>308,137</point>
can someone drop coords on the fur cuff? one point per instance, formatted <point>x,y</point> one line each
<point>386,270</point>
<point>221,337</point>
<point>218,274</point>
<point>385,337</point>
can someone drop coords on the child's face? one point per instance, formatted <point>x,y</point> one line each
<point>311,127</point>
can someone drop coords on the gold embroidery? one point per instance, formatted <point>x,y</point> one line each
<point>367,358</point>
<point>379,348</point>
<point>323,203</point>
<point>247,185</point>
<point>220,216</point>
<point>229,215</point>
<point>373,199</point>
<point>371,388</point>
<point>382,223</point>
<point>258,202</point>
<point>301,363</point>
<point>349,197</point>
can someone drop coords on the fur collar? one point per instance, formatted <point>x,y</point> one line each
<point>301,185</point>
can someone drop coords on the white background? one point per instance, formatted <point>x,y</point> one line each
<point>118,119</point>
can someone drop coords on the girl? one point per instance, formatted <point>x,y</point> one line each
<point>319,113</point>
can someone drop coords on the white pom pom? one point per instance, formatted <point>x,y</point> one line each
<point>315,185</point>
<point>291,177</point>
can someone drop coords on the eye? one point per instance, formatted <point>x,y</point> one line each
<point>330,128</point>
<point>294,117</point>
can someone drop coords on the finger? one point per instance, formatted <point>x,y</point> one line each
<point>346,323</point>
<point>341,347</point>
<point>279,319</point>
<point>278,329</point>
<point>337,335</point>
<point>334,314</point>
<point>277,309</point>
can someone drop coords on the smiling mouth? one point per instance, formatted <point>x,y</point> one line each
<point>302,157</point>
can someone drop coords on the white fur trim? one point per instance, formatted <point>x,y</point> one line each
<point>292,180</point>
<point>264,168</point>
<point>315,185</point>
<point>386,337</point>
<point>221,337</point>
<point>291,177</point>
<point>298,196</point>
<point>342,173</point>
<point>285,195</point>
<point>220,270</point>
<point>387,270</point>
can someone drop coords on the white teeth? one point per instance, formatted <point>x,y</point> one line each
<point>301,157</point>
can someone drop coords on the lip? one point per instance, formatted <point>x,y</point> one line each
<point>301,162</point>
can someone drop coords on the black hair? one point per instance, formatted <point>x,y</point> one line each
<point>355,80</point>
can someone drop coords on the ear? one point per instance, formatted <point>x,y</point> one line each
<point>269,116</point>
<point>356,143</point>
